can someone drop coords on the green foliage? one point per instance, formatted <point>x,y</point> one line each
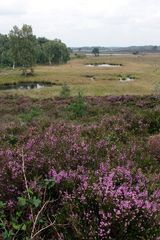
<point>65,91</point>
<point>56,52</point>
<point>6,234</point>
<point>40,53</point>
<point>5,53</point>
<point>78,107</point>
<point>20,227</point>
<point>30,115</point>
<point>17,226</point>
<point>12,139</point>
<point>23,44</point>
<point>22,201</point>
<point>153,119</point>
<point>22,48</point>
<point>95,51</point>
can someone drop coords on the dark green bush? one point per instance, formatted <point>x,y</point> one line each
<point>78,107</point>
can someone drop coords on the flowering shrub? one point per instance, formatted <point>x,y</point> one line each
<point>91,178</point>
<point>102,204</point>
<point>115,204</point>
<point>154,146</point>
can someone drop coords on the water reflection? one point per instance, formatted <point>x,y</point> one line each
<point>25,85</point>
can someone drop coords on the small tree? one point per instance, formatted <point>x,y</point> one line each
<point>95,51</point>
<point>23,51</point>
<point>78,107</point>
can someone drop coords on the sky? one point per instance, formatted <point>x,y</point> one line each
<point>86,22</point>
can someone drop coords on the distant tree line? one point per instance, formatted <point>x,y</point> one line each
<point>119,50</point>
<point>20,48</point>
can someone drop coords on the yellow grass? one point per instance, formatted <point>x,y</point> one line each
<point>146,70</point>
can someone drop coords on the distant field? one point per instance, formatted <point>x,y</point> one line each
<point>95,81</point>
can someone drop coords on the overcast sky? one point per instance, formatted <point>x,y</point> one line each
<point>86,22</point>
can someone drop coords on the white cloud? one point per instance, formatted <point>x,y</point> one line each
<point>12,7</point>
<point>86,22</point>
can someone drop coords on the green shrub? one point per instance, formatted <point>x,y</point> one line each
<point>78,107</point>
<point>29,115</point>
<point>153,118</point>
<point>65,91</point>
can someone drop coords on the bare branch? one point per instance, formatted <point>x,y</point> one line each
<point>42,229</point>
<point>37,216</point>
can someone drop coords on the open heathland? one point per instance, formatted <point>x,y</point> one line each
<point>81,167</point>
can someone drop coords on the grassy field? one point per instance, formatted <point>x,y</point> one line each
<point>94,81</point>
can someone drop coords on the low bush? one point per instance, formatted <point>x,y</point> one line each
<point>154,146</point>
<point>103,204</point>
<point>30,115</point>
<point>65,91</point>
<point>78,107</point>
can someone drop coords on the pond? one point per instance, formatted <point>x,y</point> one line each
<point>127,79</point>
<point>25,85</point>
<point>104,65</point>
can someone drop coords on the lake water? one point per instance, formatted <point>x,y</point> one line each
<point>25,85</point>
<point>126,80</point>
<point>104,65</point>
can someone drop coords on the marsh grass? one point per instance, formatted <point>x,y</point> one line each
<point>145,69</point>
